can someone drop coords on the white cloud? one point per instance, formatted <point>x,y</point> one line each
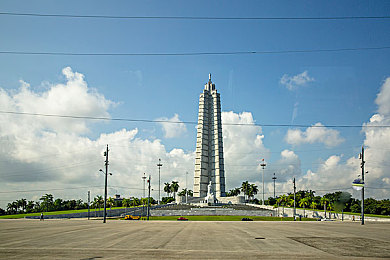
<point>289,165</point>
<point>334,174</point>
<point>243,148</point>
<point>53,153</point>
<point>172,130</point>
<point>383,98</point>
<point>295,112</point>
<point>41,153</point>
<point>293,82</point>
<point>314,134</point>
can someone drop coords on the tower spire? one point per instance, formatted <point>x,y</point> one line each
<point>210,77</point>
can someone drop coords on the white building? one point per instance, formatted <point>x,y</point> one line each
<point>209,164</point>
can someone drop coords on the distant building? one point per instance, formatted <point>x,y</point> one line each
<point>118,197</point>
<point>209,163</point>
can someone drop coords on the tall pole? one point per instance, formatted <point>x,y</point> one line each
<point>105,186</point>
<point>274,178</point>
<point>89,199</point>
<point>148,209</point>
<point>362,166</point>
<point>159,180</point>
<point>294,199</point>
<point>263,165</point>
<point>186,187</point>
<point>144,178</point>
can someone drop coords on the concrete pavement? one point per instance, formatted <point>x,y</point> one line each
<point>119,239</point>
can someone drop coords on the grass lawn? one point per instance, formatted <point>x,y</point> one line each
<point>228,218</point>
<point>56,212</point>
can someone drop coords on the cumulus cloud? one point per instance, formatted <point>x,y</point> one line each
<point>172,130</point>
<point>383,98</point>
<point>293,82</point>
<point>289,165</point>
<point>54,155</point>
<point>243,148</point>
<point>333,173</point>
<point>314,134</point>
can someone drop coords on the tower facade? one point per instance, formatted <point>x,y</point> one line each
<point>209,163</point>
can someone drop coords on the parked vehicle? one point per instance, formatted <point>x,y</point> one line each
<point>130,217</point>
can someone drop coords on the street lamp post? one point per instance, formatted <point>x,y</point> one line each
<point>274,178</point>
<point>263,165</point>
<point>159,180</point>
<point>143,201</point>
<point>186,187</point>
<point>144,178</point>
<point>362,166</point>
<point>148,209</point>
<point>105,191</point>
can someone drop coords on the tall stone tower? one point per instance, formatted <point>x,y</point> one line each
<point>209,165</point>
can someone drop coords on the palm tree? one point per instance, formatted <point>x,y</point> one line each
<point>330,208</point>
<point>30,206</point>
<point>126,203</point>
<point>47,200</point>
<point>283,201</point>
<point>303,203</point>
<point>313,205</point>
<point>12,207</point>
<point>324,201</point>
<point>167,188</point>
<point>290,202</point>
<point>135,201</point>
<point>245,188</point>
<point>174,187</point>
<point>252,191</point>
<point>110,202</point>
<point>100,201</point>
<point>95,204</point>
<point>22,203</point>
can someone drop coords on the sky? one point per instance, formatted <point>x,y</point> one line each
<point>62,156</point>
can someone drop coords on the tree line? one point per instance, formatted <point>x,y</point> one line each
<point>306,199</point>
<point>47,202</point>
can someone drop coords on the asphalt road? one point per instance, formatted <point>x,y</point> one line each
<point>119,239</point>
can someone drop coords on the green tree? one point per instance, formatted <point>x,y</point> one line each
<point>313,205</point>
<point>58,204</point>
<point>166,200</point>
<point>12,207</point>
<point>290,202</point>
<point>182,193</point>
<point>110,202</point>
<point>167,188</point>
<point>303,203</point>
<point>22,203</point>
<point>252,191</point>
<point>135,202</point>
<point>174,187</point>
<point>324,202</point>
<point>234,192</point>
<point>245,188</point>
<point>47,201</point>
<point>126,204</point>
<point>30,206</point>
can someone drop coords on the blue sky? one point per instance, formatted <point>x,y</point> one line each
<point>340,88</point>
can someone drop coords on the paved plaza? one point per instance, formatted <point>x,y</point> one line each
<point>119,239</point>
